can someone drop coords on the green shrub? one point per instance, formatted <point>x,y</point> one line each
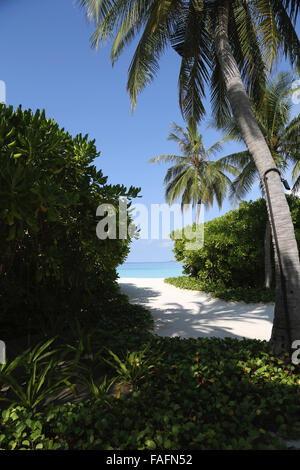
<point>75,362</point>
<point>233,251</point>
<point>52,265</point>
<point>236,294</point>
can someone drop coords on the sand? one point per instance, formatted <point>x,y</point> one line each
<point>193,314</point>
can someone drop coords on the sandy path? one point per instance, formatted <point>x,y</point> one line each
<point>190,314</point>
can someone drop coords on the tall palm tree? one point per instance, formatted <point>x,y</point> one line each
<point>282,136</point>
<point>193,177</point>
<point>230,44</point>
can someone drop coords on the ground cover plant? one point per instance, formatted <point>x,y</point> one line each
<point>205,393</point>
<point>234,294</point>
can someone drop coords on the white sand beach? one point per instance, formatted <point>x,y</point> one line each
<point>193,314</point>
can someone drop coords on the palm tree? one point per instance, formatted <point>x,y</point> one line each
<point>193,177</point>
<point>282,137</point>
<point>230,44</point>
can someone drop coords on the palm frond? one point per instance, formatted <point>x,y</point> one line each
<point>178,159</point>
<point>220,106</point>
<point>192,41</point>
<point>296,186</point>
<point>277,104</point>
<point>161,19</point>
<point>174,171</point>
<point>244,182</point>
<point>267,31</point>
<point>215,148</point>
<point>292,6</point>
<point>237,159</point>
<point>286,29</point>
<point>290,140</point>
<point>118,13</point>
<point>129,28</point>
<point>178,185</point>
<point>222,166</point>
<point>291,132</point>
<point>247,50</point>
<point>95,10</point>
<point>181,137</point>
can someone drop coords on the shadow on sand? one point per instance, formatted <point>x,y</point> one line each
<point>198,315</point>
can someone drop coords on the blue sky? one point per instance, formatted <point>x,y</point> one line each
<point>47,63</point>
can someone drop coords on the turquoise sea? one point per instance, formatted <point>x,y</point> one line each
<point>150,269</point>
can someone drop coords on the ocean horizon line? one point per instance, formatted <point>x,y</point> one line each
<point>150,262</point>
<point>150,269</point>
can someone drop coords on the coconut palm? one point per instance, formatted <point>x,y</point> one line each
<point>229,44</point>
<point>193,177</point>
<point>282,136</point>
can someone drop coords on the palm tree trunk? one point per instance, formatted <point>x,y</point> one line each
<point>268,257</point>
<point>286,327</point>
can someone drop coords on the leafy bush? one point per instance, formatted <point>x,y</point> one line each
<point>77,361</point>
<point>205,393</point>
<point>233,251</point>
<point>50,190</point>
<point>236,294</point>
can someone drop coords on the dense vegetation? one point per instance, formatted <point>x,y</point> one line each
<point>234,294</point>
<point>208,393</point>
<point>83,369</point>
<point>230,264</point>
<point>50,190</point>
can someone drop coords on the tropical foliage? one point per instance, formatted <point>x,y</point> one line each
<point>33,376</point>
<point>258,31</point>
<point>280,131</point>
<point>203,394</point>
<point>250,295</point>
<point>282,136</point>
<point>50,191</point>
<point>233,251</point>
<point>229,46</point>
<point>194,177</point>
